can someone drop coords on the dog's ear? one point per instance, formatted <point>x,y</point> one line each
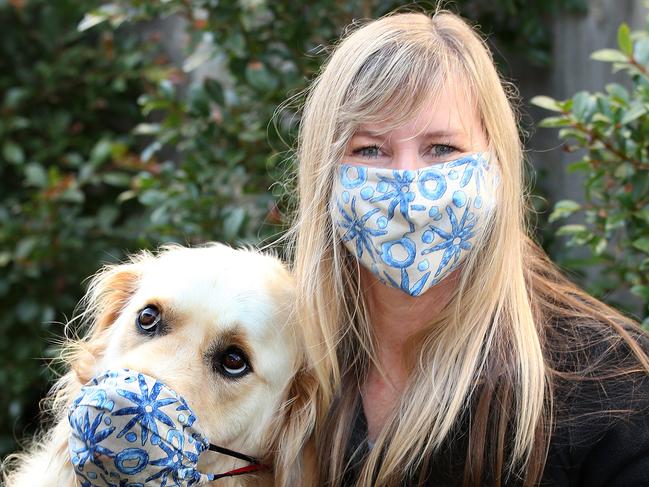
<point>293,428</point>
<point>108,293</point>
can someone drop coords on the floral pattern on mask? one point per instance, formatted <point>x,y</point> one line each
<point>129,429</point>
<point>440,210</point>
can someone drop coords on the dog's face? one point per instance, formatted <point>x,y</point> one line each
<point>215,325</point>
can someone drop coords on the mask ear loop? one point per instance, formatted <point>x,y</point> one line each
<point>255,464</point>
<point>232,453</point>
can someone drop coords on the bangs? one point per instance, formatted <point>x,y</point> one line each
<point>399,79</point>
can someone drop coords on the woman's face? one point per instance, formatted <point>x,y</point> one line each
<point>446,128</point>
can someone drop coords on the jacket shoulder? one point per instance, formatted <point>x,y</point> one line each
<point>601,406</point>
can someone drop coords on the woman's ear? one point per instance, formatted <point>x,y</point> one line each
<point>108,294</point>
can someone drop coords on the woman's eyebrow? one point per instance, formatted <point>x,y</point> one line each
<point>440,134</point>
<point>426,135</point>
<point>368,133</point>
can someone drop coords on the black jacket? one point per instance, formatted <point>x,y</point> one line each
<point>600,438</point>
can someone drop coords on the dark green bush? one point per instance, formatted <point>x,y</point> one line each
<point>107,146</point>
<point>68,103</point>
<point>610,131</point>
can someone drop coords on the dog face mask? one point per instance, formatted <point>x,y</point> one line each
<point>411,228</point>
<point>129,429</point>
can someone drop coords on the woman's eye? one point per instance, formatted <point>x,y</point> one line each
<point>440,150</point>
<point>148,319</point>
<point>233,363</point>
<point>369,152</point>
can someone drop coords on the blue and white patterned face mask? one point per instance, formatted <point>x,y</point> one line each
<point>411,228</point>
<point>129,429</point>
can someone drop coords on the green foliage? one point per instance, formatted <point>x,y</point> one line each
<point>611,130</point>
<point>68,103</point>
<point>107,145</point>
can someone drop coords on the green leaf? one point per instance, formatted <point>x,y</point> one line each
<point>583,103</point>
<point>111,11</point>
<point>644,265</point>
<point>260,77</point>
<point>577,134</point>
<point>152,197</point>
<point>150,150</point>
<point>574,229</point>
<point>563,209</point>
<point>73,195</point>
<point>600,117</point>
<point>636,110</point>
<point>199,102</point>
<point>232,223</point>
<point>642,215</point>
<point>546,102</point>
<point>582,165</point>
<point>599,246</point>
<point>553,122</point>
<point>609,56</point>
<point>146,128</point>
<point>214,91</point>
<point>118,179</point>
<point>106,217</point>
<point>565,105</point>
<point>90,20</point>
<point>642,244</point>
<point>101,152</point>
<point>614,222</point>
<point>618,91</point>
<point>25,247</point>
<point>203,53</point>
<point>641,51</point>
<point>36,175</point>
<point>624,39</point>
<point>642,291</point>
<point>160,215</point>
<point>624,170</point>
<point>118,150</point>
<point>167,89</point>
<point>27,310</point>
<point>125,196</point>
<point>13,153</point>
<point>15,96</point>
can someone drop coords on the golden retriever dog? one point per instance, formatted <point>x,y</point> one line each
<point>216,326</point>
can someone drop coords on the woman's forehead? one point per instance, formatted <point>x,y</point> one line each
<point>447,113</point>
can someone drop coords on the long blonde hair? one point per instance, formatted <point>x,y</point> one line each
<point>487,345</point>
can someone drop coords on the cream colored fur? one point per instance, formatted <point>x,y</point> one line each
<point>207,296</point>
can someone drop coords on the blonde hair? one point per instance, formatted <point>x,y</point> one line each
<point>487,345</point>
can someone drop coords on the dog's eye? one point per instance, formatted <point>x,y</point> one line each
<point>234,363</point>
<point>148,319</point>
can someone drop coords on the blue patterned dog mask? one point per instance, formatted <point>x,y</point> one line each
<point>411,228</point>
<point>129,429</point>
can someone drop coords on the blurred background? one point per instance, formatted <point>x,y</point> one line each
<point>127,124</point>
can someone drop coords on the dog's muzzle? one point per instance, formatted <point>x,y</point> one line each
<point>130,429</point>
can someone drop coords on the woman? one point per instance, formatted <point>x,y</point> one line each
<point>448,349</point>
